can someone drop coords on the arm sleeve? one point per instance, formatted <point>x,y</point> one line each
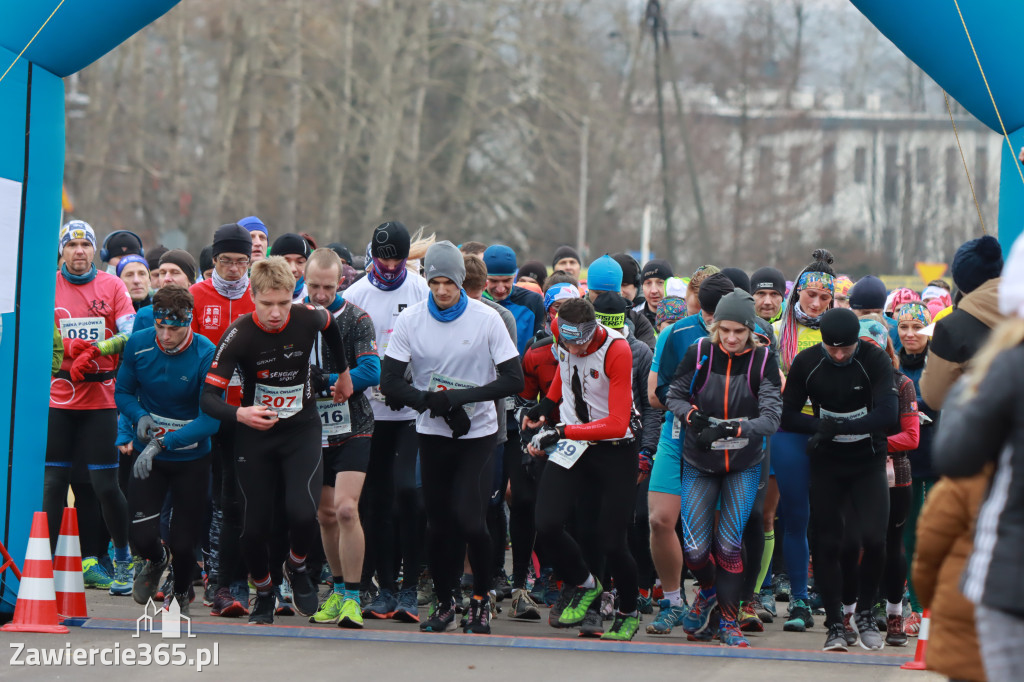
<point>332,337</point>
<point>884,414</point>
<point>974,431</point>
<point>943,519</point>
<point>909,436</point>
<point>555,389</point>
<point>677,398</point>
<point>125,431</point>
<point>366,373</point>
<point>506,360</point>
<point>58,351</point>
<point>619,366</point>
<point>203,426</point>
<point>114,345</point>
<point>394,385</point>
<point>769,402</point>
<point>794,397</point>
<point>212,403</point>
<point>125,389</point>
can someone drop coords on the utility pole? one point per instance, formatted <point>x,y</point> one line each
<point>581,224</point>
<point>657,25</point>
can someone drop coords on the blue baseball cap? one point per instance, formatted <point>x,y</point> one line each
<point>500,261</point>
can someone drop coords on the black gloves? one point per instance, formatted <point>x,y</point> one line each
<point>697,420</point>
<point>458,421</point>
<point>541,409</point>
<point>720,430</point>
<point>319,380</point>
<point>439,403</point>
<point>827,430</point>
<point>548,436</point>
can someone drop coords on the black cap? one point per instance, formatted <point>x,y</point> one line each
<point>655,269</point>
<point>123,243</point>
<point>868,294</point>
<point>290,244</point>
<point>184,260</point>
<point>630,268</point>
<point>232,238</point>
<point>342,251</point>
<point>738,277</point>
<point>712,290</point>
<point>534,269</point>
<point>153,256</point>
<point>565,252</point>
<point>206,259</point>
<point>839,327</point>
<point>610,308</point>
<point>390,240</point>
<point>976,262</point>
<point>768,279</point>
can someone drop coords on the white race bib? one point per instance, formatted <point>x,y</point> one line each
<point>165,425</point>
<point>84,328</point>
<point>677,426</point>
<point>335,417</point>
<point>728,443</point>
<point>856,414</point>
<point>567,452</point>
<point>375,394</point>
<point>286,401</point>
<point>236,378</point>
<point>440,382</point>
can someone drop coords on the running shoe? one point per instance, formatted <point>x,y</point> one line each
<point>608,604</point>
<point>209,589</point>
<point>425,589</point>
<point>326,577</point>
<point>894,634</point>
<point>767,599</point>
<point>523,607</point>
<point>748,619</point>
<point>479,620</point>
<point>912,624</point>
<point>623,628</point>
<point>502,585</point>
<point>183,599</point>
<point>564,597</point>
<point>815,603</point>
<point>729,634</point>
<point>147,578</point>
<point>406,608</point>
<point>800,619</point>
<point>329,611</point>
<point>582,598</point>
<point>240,592</point>
<point>286,592</point>
<point>282,606</point>
<point>657,592</point>
<point>95,576</point>
<point>304,594</point>
<point>697,619</point>
<point>350,615</point>
<point>881,617</point>
<point>850,630</point>
<point>553,592</point>
<point>167,587</point>
<point>263,609</point>
<point>783,590</point>
<point>592,625</point>
<point>225,604</point>
<point>539,590</point>
<point>441,620</point>
<point>835,640</point>
<point>668,617</point>
<point>644,603</point>
<point>383,607</point>
<point>867,628</point>
<point>123,578</point>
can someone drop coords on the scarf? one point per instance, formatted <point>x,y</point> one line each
<point>78,279</point>
<point>301,282</point>
<point>385,279</point>
<point>336,304</point>
<point>230,290</point>
<point>448,314</point>
<point>912,360</point>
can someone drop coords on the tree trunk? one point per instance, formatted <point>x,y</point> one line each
<point>341,126</point>
<point>288,139</point>
<point>249,192</point>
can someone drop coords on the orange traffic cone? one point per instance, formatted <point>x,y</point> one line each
<point>67,571</point>
<point>36,608</point>
<point>922,644</point>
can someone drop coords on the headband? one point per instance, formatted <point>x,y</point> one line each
<point>814,279</point>
<point>562,291</point>
<point>914,310</point>
<point>171,318</point>
<point>579,333</point>
<point>130,258</point>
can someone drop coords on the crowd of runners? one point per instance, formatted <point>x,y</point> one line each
<point>291,429</point>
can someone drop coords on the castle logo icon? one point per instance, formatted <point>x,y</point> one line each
<point>170,621</point>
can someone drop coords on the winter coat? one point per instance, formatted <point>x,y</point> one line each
<point>957,338</point>
<point>945,539</point>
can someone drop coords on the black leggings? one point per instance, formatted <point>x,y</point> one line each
<point>187,482</point>
<point>83,436</point>
<point>701,535</point>
<point>603,478</point>
<point>457,479</point>
<point>894,575</point>
<point>857,499</point>
<point>226,521</point>
<point>522,508</point>
<point>264,460</point>
<point>753,537</point>
<point>640,537</point>
<point>390,495</point>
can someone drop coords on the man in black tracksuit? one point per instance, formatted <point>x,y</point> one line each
<point>850,386</point>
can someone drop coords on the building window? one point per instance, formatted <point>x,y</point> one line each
<point>923,165</point>
<point>952,174</point>
<point>860,165</point>
<point>981,173</point>
<point>828,174</point>
<point>892,178</point>
<point>796,164</point>
<point>765,162</point>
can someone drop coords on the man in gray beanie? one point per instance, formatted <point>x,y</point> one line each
<point>444,259</point>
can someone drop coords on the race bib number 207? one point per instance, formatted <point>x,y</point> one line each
<point>286,401</point>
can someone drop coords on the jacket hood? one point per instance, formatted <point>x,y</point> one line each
<point>983,303</point>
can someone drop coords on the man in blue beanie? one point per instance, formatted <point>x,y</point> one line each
<point>605,274</point>
<point>526,306</point>
<point>260,236</point>
<point>977,271</point>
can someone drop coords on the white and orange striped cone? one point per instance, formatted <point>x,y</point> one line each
<point>68,580</point>
<point>36,608</point>
<point>922,644</point>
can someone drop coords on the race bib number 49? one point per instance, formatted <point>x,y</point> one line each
<point>567,453</point>
<point>286,401</point>
<point>84,328</point>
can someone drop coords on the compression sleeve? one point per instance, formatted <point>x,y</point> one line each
<point>125,390</point>
<point>394,386</point>
<point>58,351</point>
<point>212,403</point>
<point>508,382</point>
<point>619,367</point>
<point>332,337</point>
<point>366,373</point>
<point>115,344</point>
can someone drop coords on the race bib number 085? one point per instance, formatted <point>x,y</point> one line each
<point>84,328</point>
<point>286,401</point>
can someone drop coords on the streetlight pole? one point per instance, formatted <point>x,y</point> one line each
<point>581,218</point>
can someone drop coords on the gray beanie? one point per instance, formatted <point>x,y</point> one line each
<point>737,307</point>
<point>444,259</point>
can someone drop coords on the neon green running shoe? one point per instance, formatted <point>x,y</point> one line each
<point>124,578</point>
<point>623,628</point>
<point>94,575</point>
<point>576,609</point>
<point>329,611</point>
<point>351,615</point>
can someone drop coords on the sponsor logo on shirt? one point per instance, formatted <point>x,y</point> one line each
<point>263,374</point>
<point>595,374</point>
<point>293,354</point>
<point>264,362</point>
<point>286,376</point>
<point>99,308</point>
<point>211,316</point>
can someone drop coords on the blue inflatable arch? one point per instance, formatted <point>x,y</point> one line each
<point>31,170</point>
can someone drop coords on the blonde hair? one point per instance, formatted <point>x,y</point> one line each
<point>1008,334</point>
<point>324,258</point>
<point>271,273</point>
<point>420,244</point>
<point>889,347</point>
<point>752,342</point>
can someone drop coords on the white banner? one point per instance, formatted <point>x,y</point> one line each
<point>10,224</point>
